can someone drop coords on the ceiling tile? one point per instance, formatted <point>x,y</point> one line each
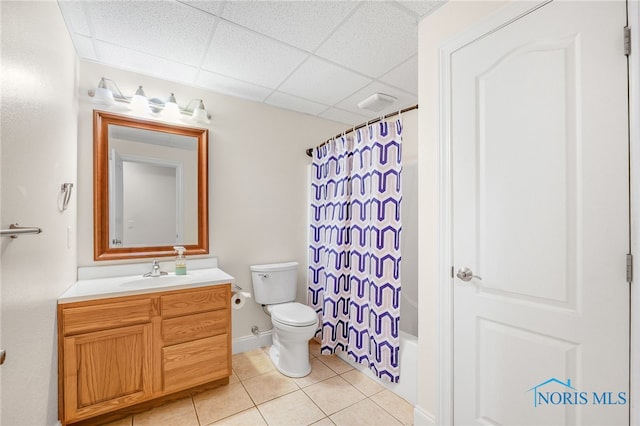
<point>341,116</point>
<point>403,100</point>
<point>423,7</point>
<point>120,57</point>
<point>209,6</point>
<point>84,47</point>
<point>249,56</point>
<point>323,82</point>
<point>373,40</point>
<point>404,76</point>
<point>160,28</point>
<point>294,103</point>
<point>304,24</point>
<point>75,18</point>
<point>231,86</point>
<point>316,57</point>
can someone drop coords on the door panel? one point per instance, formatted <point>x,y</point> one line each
<point>95,377</point>
<point>539,210</point>
<point>531,194</point>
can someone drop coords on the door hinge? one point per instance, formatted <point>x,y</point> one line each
<point>627,41</point>
<point>629,267</point>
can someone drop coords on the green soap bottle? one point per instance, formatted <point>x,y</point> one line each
<point>181,261</point>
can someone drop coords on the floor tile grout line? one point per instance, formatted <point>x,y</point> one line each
<point>327,414</point>
<point>264,419</point>
<point>338,371</point>
<point>315,403</point>
<point>385,410</point>
<point>257,406</point>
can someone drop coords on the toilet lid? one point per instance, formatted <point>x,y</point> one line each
<point>295,314</point>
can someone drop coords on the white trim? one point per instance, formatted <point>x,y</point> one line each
<point>248,343</point>
<point>445,289</point>
<point>423,418</point>
<point>633,12</point>
<point>504,16</point>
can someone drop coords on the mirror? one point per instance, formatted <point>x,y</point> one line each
<point>150,188</point>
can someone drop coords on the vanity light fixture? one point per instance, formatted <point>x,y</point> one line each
<point>199,113</point>
<point>103,95</point>
<point>107,93</point>
<point>171,108</point>
<point>139,102</point>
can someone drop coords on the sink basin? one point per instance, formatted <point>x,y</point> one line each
<point>122,285</point>
<point>161,281</point>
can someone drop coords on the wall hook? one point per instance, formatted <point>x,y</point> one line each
<point>65,191</point>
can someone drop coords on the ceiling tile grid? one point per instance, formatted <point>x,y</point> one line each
<point>323,82</point>
<point>231,86</point>
<point>315,57</point>
<point>404,76</point>
<point>166,29</point>
<point>375,39</point>
<point>303,24</point>
<point>285,100</point>
<point>144,63</point>
<point>249,56</point>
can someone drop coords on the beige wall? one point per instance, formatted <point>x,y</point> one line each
<point>38,143</point>
<point>446,22</point>
<point>258,191</point>
<point>258,168</point>
<point>258,179</point>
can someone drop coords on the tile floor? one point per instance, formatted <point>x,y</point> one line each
<point>333,394</point>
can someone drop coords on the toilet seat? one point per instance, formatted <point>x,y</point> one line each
<point>293,314</point>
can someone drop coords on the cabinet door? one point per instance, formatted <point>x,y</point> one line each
<point>106,370</point>
<point>194,363</point>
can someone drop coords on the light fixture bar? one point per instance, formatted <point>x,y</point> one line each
<point>107,96</point>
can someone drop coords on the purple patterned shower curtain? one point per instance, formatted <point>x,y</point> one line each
<point>354,262</point>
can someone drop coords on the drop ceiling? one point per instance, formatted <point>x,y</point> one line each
<point>317,57</point>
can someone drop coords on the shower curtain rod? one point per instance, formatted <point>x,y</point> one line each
<point>309,151</point>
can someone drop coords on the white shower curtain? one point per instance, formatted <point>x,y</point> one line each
<point>354,271</point>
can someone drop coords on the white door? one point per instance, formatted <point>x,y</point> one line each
<point>540,216</point>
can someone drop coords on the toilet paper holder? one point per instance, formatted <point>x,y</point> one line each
<point>238,290</point>
<point>239,297</point>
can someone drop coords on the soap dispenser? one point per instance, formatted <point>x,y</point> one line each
<point>181,261</point>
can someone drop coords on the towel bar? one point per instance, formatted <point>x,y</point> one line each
<point>15,231</point>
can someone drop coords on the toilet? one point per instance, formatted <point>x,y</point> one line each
<point>274,285</point>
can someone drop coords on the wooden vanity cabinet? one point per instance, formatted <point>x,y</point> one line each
<point>123,351</point>
<point>196,337</point>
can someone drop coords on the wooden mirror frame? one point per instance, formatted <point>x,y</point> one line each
<point>101,247</point>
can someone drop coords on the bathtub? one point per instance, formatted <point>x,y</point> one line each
<point>407,387</point>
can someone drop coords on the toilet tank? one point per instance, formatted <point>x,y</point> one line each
<point>274,283</point>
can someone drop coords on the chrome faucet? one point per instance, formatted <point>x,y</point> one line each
<point>155,270</point>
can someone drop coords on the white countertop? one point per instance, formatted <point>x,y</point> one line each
<point>116,286</point>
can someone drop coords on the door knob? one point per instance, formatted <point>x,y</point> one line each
<point>466,274</point>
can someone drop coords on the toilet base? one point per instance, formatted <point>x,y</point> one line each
<point>290,350</point>
<point>274,354</point>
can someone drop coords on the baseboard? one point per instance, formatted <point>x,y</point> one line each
<point>423,418</point>
<point>248,343</point>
